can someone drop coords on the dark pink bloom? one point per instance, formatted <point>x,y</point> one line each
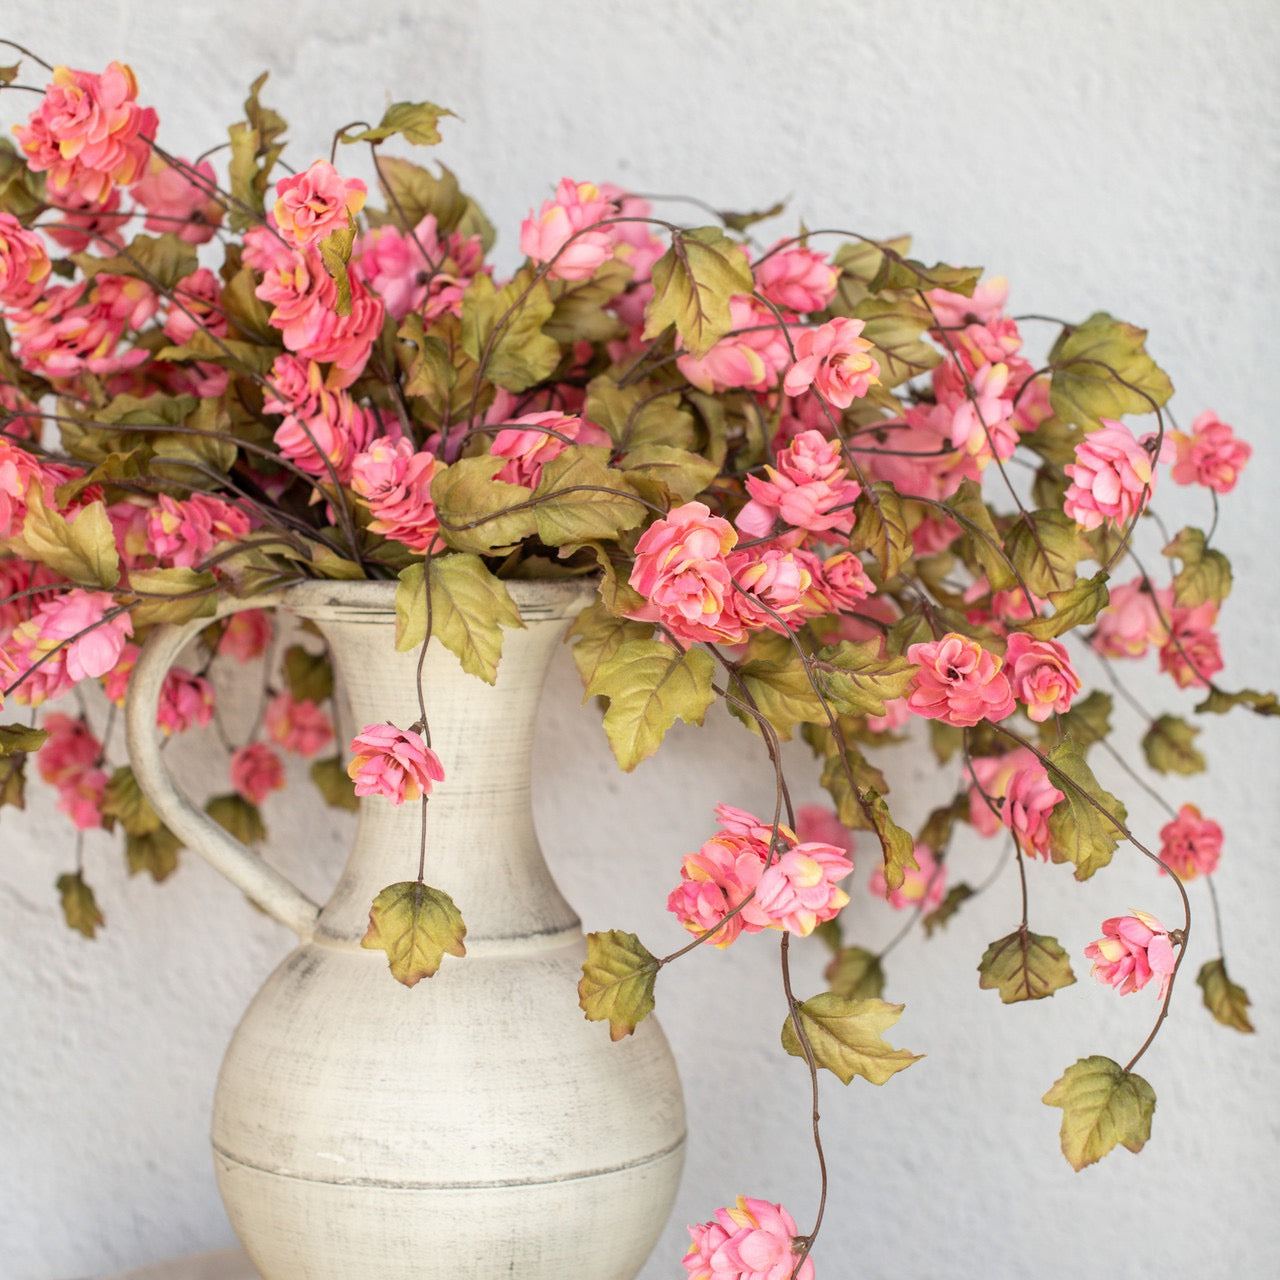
<point>1041,675</point>
<point>69,750</point>
<point>396,483</point>
<point>1192,654</point>
<point>1191,844</point>
<point>992,774</point>
<point>185,700</point>
<point>807,488</point>
<point>419,273</point>
<point>70,640</point>
<point>834,359</point>
<point>197,304</point>
<point>796,279</point>
<point>311,204</point>
<point>1029,798</point>
<point>798,891</point>
<point>755,1240</point>
<point>980,415</point>
<point>1211,455</point>
<point>297,725</point>
<point>1133,950</point>
<point>182,533</point>
<point>391,762</point>
<point>1135,618</point>
<point>24,263</point>
<point>256,771</point>
<point>87,224</point>
<point>115,684</point>
<point>752,355</point>
<point>925,886</point>
<point>775,587</point>
<point>180,199</point>
<point>18,470</point>
<point>1112,477</point>
<point>533,439</point>
<point>715,880</point>
<point>245,634</point>
<point>80,798</point>
<point>958,682</point>
<point>840,583</point>
<point>561,228</point>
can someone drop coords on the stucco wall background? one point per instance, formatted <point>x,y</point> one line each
<point>1125,157</point>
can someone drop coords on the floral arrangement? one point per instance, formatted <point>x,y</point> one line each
<point>819,481</point>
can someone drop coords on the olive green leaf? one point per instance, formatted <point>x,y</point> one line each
<point>1074,607</point>
<point>1169,746</point>
<point>693,282</point>
<point>1220,701</point>
<point>580,497</point>
<point>478,513</point>
<point>162,261</point>
<point>1045,548</point>
<point>982,539</point>
<point>79,907</point>
<point>897,272</point>
<point>255,148</point>
<point>1101,369</point>
<point>941,915</point>
<point>171,595</point>
<point>416,122</point>
<point>17,738</point>
<point>1227,1002</point>
<point>650,685</point>
<point>502,329</point>
<point>741,221</point>
<point>335,253</point>
<point>123,800</point>
<point>855,974</point>
<point>857,680</point>
<point>845,1036</point>
<point>13,780</point>
<point>896,843</point>
<point>1078,832</point>
<point>684,474</point>
<point>617,983</point>
<point>155,852</point>
<point>597,635</point>
<point>416,926</point>
<point>238,816</point>
<point>881,528</point>
<point>1102,1106</point>
<point>1088,722</point>
<point>898,337</point>
<point>334,784</point>
<point>1024,966</point>
<point>82,549</point>
<point>778,684</point>
<point>1205,575</point>
<point>640,414</point>
<point>413,192</point>
<point>308,675</point>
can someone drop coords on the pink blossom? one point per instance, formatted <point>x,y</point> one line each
<point>681,571</point>
<point>88,132</point>
<point>256,771</point>
<point>72,639</point>
<point>1134,619</point>
<point>69,750</point>
<point>182,533</point>
<point>958,682</point>
<point>1191,844</point>
<point>393,265</point>
<point>755,1240</point>
<point>798,891</point>
<point>952,310</point>
<point>752,354</point>
<point>981,414</point>
<point>391,762</point>
<point>897,714</point>
<point>533,439</point>
<point>795,278</point>
<point>297,725</point>
<point>807,488</point>
<point>1211,455</point>
<point>1041,675</point>
<point>80,798</point>
<point>561,228</point>
<point>925,886</point>
<point>1192,652</point>
<point>820,823</point>
<point>1112,477</point>
<point>24,263</point>
<point>715,880</point>
<point>1028,800</point>
<point>87,223</point>
<point>1133,950</point>
<point>18,471</point>
<point>180,198</point>
<point>197,305</point>
<point>992,774</point>
<point>311,204</point>
<point>186,699</point>
<point>774,586</point>
<point>833,359</point>
<point>331,437</point>
<point>115,684</point>
<point>396,483</point>
<point>245,634</point>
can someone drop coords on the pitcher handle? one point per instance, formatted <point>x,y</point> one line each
<point>276,895</point>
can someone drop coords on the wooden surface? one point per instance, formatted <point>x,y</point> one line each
<point>226,1264</point>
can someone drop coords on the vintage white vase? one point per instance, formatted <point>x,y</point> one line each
<point>472,1127</point>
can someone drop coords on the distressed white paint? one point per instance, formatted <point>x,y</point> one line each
<point>1098,154</point>
<point>476,1125</point>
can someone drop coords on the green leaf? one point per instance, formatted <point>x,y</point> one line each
<point>1074,607</point>
<point>8,74</point>
<point>1227,1002</point>
<point>502,329</point>
<point>580,314</point>
<point>1102,1106</point>
<point>416,926</point>
<point>1024,966</point>
<point>182,594</point>
<point>650,685</point>
<point>741,221</point>
<point>640,414</point>
<point>779,685</point>
<point>900,348</point>
<point>21,191</point>
<point>845,1037</point>
<point>683,474</point>
<point>941,915</point>
<point>308,675</point>
<point>693,282</point>
<point>469,608</point>
<point>858,680</point>
<point>1078,833</point>
<point>1101,369</point>
<point>856,974</point>
<point>1221,701</point>
<point>413,192</point>
<point>1045,548</point>
<point>17,738</point>
<point>881,528</point>
<point>335,784</point>
<point>255,148</point>
<point>983,539</point>
<point>849,778</point>
<point>13,781</point>
<point>597,635</point>
<point>896,843</point>
<point>335,253</point>
<point>581,497</point>
<point>1088,722</point>
<point>124,801</point>
<point>1169,746</point>
<point>82,549</point>
<point>1205,574</point>
<point>162,261</point>
<point>618,976</point>
<point>416,122</point>
<point>897,272</point>
<point>155,852</point>
<point>79,907</point>
<point>238,816</point>
<point>478,513</point>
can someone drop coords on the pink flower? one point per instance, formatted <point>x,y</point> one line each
<point>840,583</point>
<point>115,684</point>
<point>562,228</point>
<point>1112,477</point>
<point>819,822</point>
<point>992,774</point>
<point>391,762</point>
<point>80,798</point>
<point>1041,675</point>
<point>1132,620</point>
<point>396,483</point>
<point>245,634</point>
<point>18,470</point>
<point>256,771</point>
<point>71,639</point>
<point>311,204</point>
<point>333,435</point>
<point>833,359</point>
<point>958,682</point>
<point>752,355</point>
<point>182,533</point>
<point>807,488</point>
<point>896,714</point>
<point>1211,455</point>
<point>180,198</point>
<point>24,263</point>
<point>925,886</point>
<point>197,305</point>
<point>715,880</point>
<point>755,1240</point>
<point>798,891</point>
<point>69,750</point>
<point>297,725</point>
<point>1028,800</point>
<point>88,132</point>
<point>392,264</point>
<point>981,420</point>
<point>87,224</point>
<point>1191,653</point>
<point>951,310</point>
<point>1133,950</point>
<point>796,279</point>
<point>185,700</point>
<point>775,585</point>
<point>1191,844</point>
<point>533,439</point>
<point>681,571</point>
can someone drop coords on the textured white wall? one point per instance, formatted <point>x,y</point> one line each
<point>1122,156</point>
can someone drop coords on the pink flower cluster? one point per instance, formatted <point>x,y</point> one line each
<point>530,441</point>
<point>564,233</point>
<point>182,532</point>
<point>794,888</point>
<point>311,204</point>
<point>834,359</point>
<point>1014,791</point>
<point>1133,950</point>
<point>1191,844</point>
<point>1041,675</point>
<point>179,198</point>
<point>297,724</point>
<point>752,355</point>
<point>395,482</point>
<point>1211,455</point>
<point>71,761</point>
<point>322,427</point>
<point>256,771</point>
<point>186,700</point>
<point>807,488</point>
<point>24,264</point>
<point>754,1240</point>
<point>1113,476</point>
<point>958,682</point>
<point>420,273</point>
<point>391,762</point>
